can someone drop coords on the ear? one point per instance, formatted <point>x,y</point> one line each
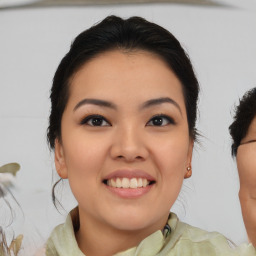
<point>188,172</point>
<point>59,159</point>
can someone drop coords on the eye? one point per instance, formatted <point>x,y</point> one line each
<point>95,120</point>
<point>160,120</point>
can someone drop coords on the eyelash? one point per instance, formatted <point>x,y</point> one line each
<point>168,120</point>
<point>161,117</point>
<point>89,118</point>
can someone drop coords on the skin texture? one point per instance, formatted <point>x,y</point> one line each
<point>246,164</point>
<point>126,140</point>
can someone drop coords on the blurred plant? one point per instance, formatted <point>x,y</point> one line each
<point>13,249</point>
<point>7,174</point>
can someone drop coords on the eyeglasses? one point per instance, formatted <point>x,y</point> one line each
<point>247,142</point>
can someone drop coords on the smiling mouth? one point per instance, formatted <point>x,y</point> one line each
<point>132,183</point>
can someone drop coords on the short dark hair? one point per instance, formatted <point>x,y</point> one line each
<point>245,112</point>
<point>130,34</point>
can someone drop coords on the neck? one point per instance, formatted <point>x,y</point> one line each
<point>98,239</point>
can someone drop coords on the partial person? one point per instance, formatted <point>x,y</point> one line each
<point>243,133</point>
<point>123,126</point>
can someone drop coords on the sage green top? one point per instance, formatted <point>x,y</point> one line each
<point>183,240</point>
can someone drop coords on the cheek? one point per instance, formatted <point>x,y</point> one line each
<point>173,154</point>
<point>84,161</point>
<point>172,166</point>
<point>246,161</point>
<point>84,158</point>
<point>246,164</point>
<point>171,162</point>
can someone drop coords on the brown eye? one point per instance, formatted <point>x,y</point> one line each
<point>95,120</point>
<point>160,120</point>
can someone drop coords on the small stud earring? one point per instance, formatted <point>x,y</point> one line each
<point>189,172</point>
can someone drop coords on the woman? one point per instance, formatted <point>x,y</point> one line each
<point>122,125</point>
<point>243,132</point>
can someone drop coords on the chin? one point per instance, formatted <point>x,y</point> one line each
<point>132,221</point>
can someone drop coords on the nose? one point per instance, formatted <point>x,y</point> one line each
<point>129,145</point>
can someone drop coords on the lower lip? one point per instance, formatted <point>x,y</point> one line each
<point>130,193</point>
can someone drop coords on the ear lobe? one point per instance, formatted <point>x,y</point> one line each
<point>188,173</point>
<point>59,159</point>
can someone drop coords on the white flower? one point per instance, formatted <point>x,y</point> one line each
<point>6,179</point>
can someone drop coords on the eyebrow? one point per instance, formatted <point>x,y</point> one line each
<point>159,101</point>
<point>147,104</point>
<point>97,102</point>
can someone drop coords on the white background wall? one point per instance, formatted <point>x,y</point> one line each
<point>222,45</point>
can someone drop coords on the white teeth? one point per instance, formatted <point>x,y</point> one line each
<point>133,183</point>
<point>118,183</point>
<point>128,183</point>
<point>125,183</point>
<point>144,182</point>
<point>140,182</point>
<point>113,182</point>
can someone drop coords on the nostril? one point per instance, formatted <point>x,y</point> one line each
<point>129,158</point>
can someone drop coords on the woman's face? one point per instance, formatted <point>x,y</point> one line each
<point>246,164</point>
<point>125,143</point>
<point>246,160</point>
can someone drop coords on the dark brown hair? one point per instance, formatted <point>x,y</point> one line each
<point>130,34</point>
<point>244,114</point>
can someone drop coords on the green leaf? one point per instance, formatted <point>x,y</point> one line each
<point>10,168</point>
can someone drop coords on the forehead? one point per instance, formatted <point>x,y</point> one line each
<point>116,72</point>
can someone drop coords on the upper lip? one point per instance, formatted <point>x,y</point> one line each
<point>128,173</point>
